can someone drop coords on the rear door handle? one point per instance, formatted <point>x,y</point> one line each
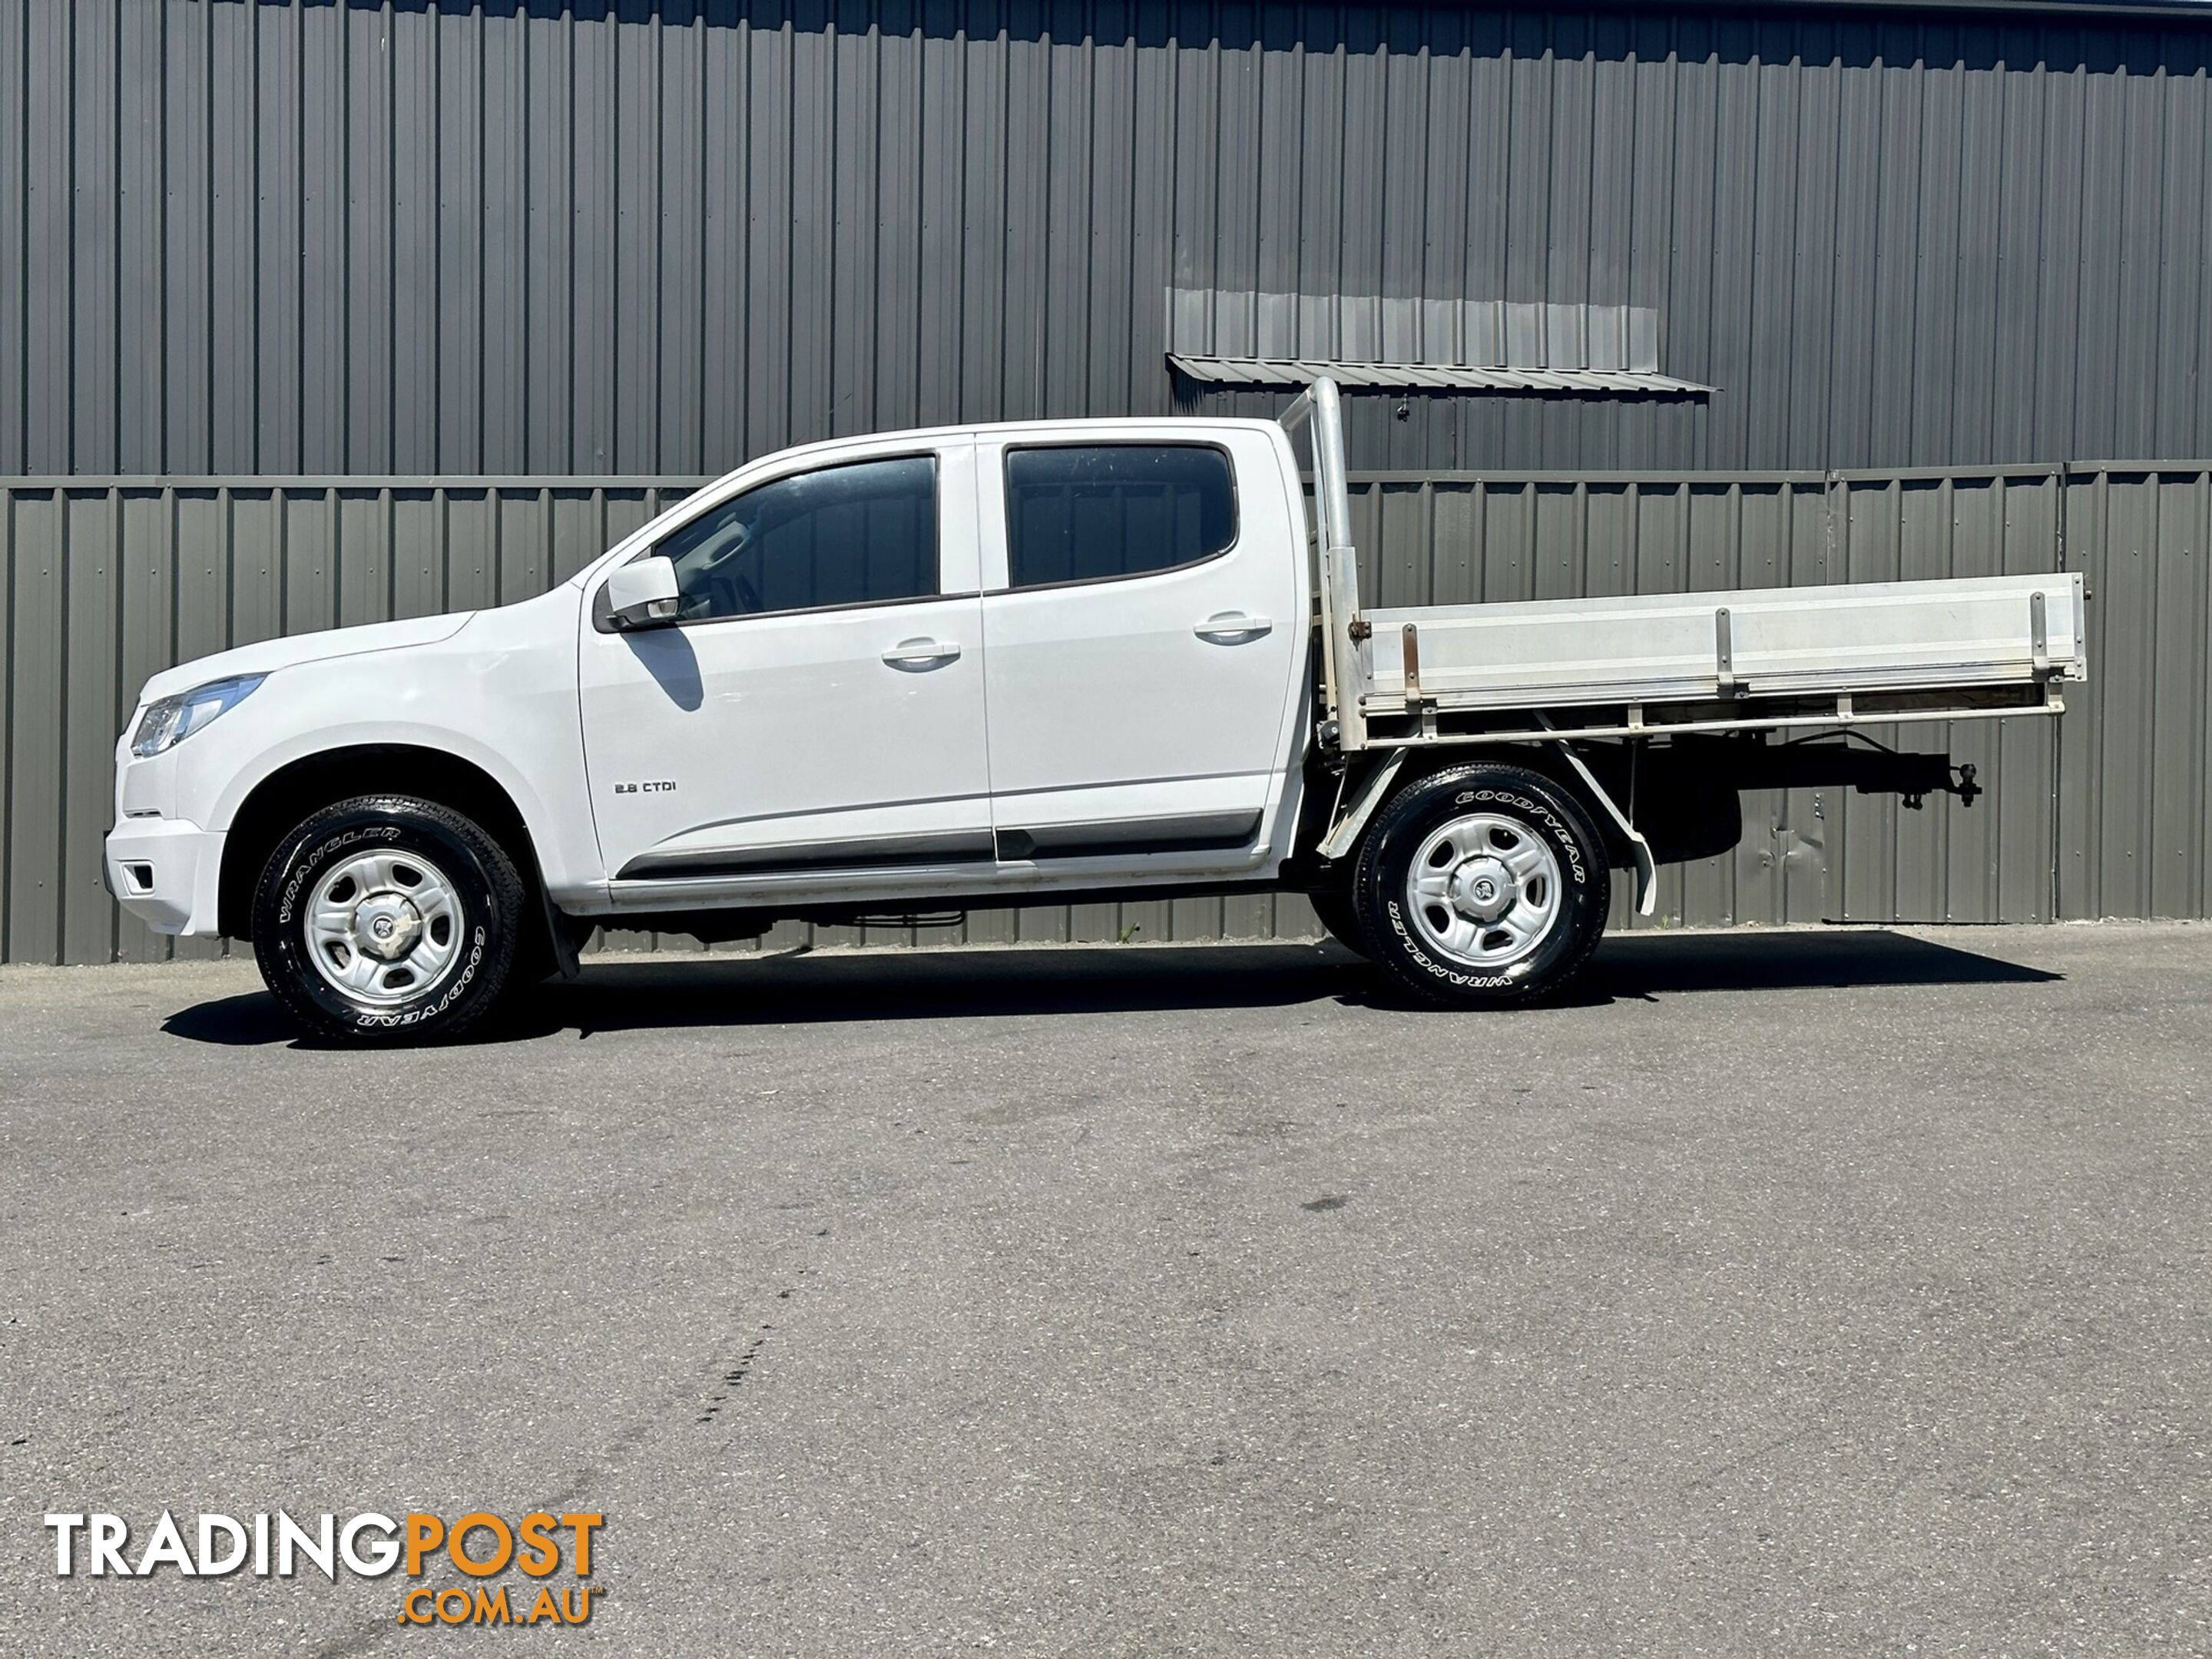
<point>912,656</point>
<point>1229,626</point>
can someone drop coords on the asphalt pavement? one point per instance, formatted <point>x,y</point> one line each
<point>1787,1293</point>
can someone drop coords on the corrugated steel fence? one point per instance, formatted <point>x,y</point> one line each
<point>2102,813</point>
<point>662,236</point>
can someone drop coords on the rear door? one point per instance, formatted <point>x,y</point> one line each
<point>817,710</point>
<point>1143,619</point>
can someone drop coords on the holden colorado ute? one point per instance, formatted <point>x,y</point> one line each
<point>983,666</point>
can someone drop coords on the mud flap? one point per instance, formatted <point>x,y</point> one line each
<point>566,961</point>
<point>1370,795</point>
<point>1647,867</point>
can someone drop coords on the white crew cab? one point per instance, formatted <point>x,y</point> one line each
<point>986,665</point>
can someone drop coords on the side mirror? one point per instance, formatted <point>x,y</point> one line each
<point>642,593</point>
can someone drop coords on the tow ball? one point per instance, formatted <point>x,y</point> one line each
<point>1964,787</point>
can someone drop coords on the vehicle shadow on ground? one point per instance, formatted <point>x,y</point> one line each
<point>638,992</point>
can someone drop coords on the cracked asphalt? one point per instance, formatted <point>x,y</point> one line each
<point>1801,1292</point>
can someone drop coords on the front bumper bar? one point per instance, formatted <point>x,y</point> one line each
<point>168,872</point>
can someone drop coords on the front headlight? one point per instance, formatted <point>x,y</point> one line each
<point>170,722</point>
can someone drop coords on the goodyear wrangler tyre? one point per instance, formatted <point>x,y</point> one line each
<point>1482,884</point>
<point>387,920</point>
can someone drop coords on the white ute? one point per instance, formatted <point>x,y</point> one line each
<point>983,666</point>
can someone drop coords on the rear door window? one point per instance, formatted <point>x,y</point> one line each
<point>1095,513</point>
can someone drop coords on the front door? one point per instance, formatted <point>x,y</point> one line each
<point>1144,624</point>
<point>817,710</point>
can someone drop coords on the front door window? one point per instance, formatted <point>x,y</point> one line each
<point>860,534</point>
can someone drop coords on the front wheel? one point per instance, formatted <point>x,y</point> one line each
<point>1482,884</point>
<point>387,919</point>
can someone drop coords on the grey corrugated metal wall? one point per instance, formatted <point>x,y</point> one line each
<point>2104,815</point>
<point>659,238</point>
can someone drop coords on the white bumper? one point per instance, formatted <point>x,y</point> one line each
<point>166,871</point>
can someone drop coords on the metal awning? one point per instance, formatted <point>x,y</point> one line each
<point>1429,377</point>
<point>1396,342</point>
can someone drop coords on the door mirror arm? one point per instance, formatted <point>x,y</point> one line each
<point>640,594</point>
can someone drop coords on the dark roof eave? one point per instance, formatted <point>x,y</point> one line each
<point>2198,10</point>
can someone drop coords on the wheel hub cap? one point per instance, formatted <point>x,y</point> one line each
<point>1484,891</point>
<point>383,927</point>
<point>386,926</point>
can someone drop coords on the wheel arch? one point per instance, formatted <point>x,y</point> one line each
<point>280,801</point>
<point>1548,759</point>
<point>1560,765</point>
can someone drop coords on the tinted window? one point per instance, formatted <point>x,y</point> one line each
<point>844,535</point>
<point>1116,510</point>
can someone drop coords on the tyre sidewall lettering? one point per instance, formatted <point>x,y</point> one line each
<point>305,864</point>
<point>1449,976</point>
<point>431,1010</point>
<point>1537,812</point>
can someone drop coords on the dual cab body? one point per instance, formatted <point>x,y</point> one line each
<point>855,704</point>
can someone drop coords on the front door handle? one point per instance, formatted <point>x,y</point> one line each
<point>912,656</point>
<point>1228,627</point>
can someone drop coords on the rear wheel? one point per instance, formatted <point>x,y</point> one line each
<point>387,919</point>
<point>1484,883</point>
